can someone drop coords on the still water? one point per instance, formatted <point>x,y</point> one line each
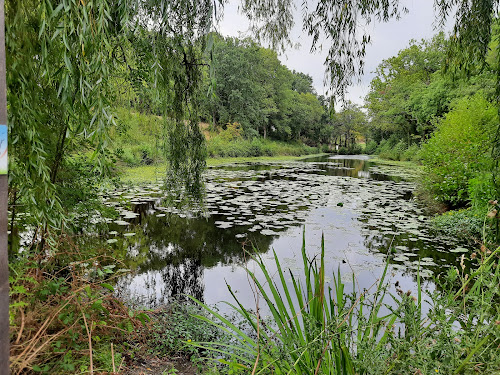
<point>366,212</point>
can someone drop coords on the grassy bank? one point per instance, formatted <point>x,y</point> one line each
<point>224,145</point>
<point>140,139</point>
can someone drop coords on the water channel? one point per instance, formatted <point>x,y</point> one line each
<point>366,212</point>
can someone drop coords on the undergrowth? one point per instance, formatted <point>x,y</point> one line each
<point>63,316</point>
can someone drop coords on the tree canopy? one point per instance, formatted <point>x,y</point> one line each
<point>254,89</point>
<point>412,89</point>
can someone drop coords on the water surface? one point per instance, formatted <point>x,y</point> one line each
<point>365,211</point>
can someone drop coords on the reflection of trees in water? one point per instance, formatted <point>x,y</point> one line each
<point>183,279</point>
<point>176,239</point>
<point>160,287</point>
<point>180,280</point>
<point>375,243</point>
<point>173,254</point>
<point>383,244</point>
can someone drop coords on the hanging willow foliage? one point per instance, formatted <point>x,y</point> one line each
<point>58,59</point>
<point>62,56</point>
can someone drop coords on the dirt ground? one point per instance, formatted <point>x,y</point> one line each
<point>159,366</point>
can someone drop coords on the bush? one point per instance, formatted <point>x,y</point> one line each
<point>392,152</point>
<point>460,149</point>
<point>173,326</point>
<point>481,190</point>
<point>325,148</point>
<point>370,147</point>
<point>464,225</point>
<point>412,153</point>
<point>351,150</point>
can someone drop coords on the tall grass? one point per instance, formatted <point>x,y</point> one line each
<point>315,329</point>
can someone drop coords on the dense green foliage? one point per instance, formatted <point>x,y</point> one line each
<point>62,60</point>
<point>460,150</point>
<point>138,138</point>
<point>254,89</point>
<point>220,147</point>
<point>319,329</point>
<point>70,65</point>
<point>414,102</point>
<point>411,90</point>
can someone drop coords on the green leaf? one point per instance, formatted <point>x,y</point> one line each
<point>108,286</point>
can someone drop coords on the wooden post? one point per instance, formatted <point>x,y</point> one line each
<point>4,267</point>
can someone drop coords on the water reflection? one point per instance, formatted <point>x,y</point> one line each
<point>356,166</point>
<point>365,215</point>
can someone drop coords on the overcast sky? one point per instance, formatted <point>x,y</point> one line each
<point>387,40</point>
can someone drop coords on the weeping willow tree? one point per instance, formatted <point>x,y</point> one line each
<point>63,55</point>
<point>62,59</point>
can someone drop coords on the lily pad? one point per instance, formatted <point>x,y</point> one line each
<point>459,250</point>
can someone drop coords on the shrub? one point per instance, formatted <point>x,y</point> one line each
<point>460,149</point>
<point>351,150</point>
<point>481,190</point>
<point>465,225</point>
<point>393,152</point>
<point>138,138</point>
<point>370,147</point>
<point>410,154</point>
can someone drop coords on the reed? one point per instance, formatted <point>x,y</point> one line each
<point>314,329</point>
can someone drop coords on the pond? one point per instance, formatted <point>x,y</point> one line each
<point>365,211</point>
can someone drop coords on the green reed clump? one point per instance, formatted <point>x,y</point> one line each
<point>312,326</point>
<point>315,329</point>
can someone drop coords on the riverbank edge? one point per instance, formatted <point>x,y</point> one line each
<point>156,172</point>
<point>406,164</point>
<point>469,224</point>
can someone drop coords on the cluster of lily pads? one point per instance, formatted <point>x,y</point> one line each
<point>269,198</point>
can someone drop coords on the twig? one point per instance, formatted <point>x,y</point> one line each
<point>113,358</point>
<point>89,334</point>
<point>121,363</point>
<point>20,329</point>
